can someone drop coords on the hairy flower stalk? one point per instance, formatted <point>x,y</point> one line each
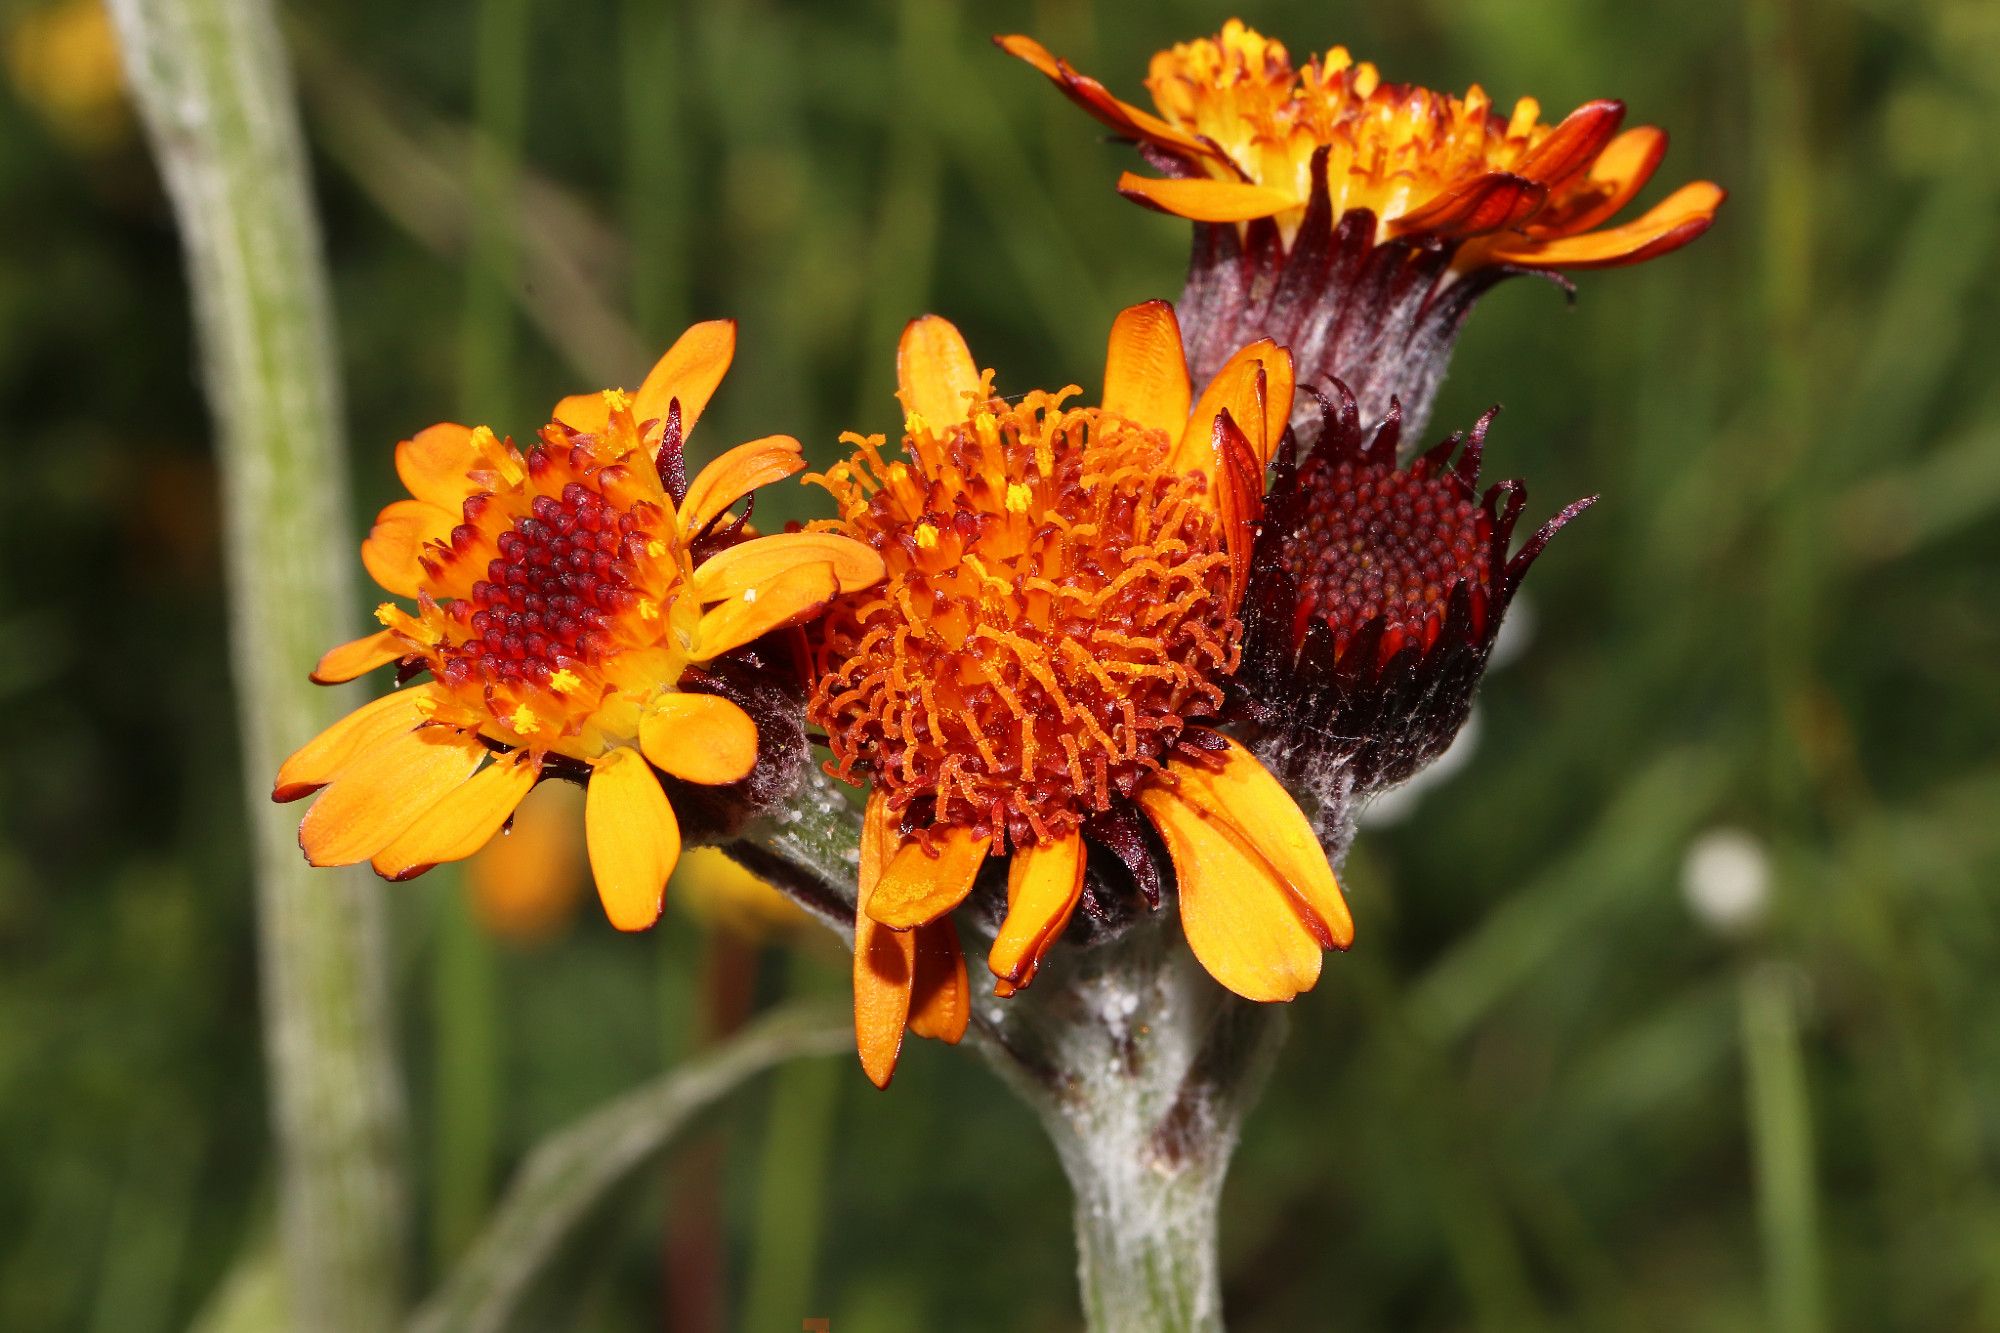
<point>211,83</point>
<point>1141,1070</point>
<point>1357,221</point>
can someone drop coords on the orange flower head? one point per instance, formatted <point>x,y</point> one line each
<point>1357,222</point>
<point>1058,617</point>
<point>1057,605</point>
<point>1253,137</point>
<point>566,598</point>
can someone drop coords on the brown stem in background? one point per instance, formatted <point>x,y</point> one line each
<point>694,1258</point>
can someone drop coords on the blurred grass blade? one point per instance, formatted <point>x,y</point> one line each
<point>466,1024</point>
<point>653,51</point>
<point>569,1174</point>
<point>1781,1140</point>
<point>792,1180</point>
<point>486,345</point>
<point>1646,825</point>
<point>212,85</point>
<point>412,166</point>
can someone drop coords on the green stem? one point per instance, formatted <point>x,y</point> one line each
<point>1781,1142</point>
<point>213,87</point>
<point>1141,1068</point>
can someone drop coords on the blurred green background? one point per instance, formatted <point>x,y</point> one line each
<point>1545,1090</point>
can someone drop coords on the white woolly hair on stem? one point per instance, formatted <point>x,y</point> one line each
<point>214,91</point>
<point>1142,1069</point>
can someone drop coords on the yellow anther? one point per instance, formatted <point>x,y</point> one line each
<point>656,549</point>
<point>648,609</point>
<point>927,537</point>
<point>897,473</point>
<point>617,400</point>
<point>1018,496</point>
<point>985,421</point>
<point>914,424</point>
<point>524,722</point>
<point>387,614</point>
<point>564,680</point>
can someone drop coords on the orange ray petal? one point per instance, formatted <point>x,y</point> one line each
<point>389,553</point>
<point>689,372</point>
<point>1261,405</point>
<point>940,998</point>
<point>1199,199</point>
<point>1044,884</point>
<point>1618,174</point>
<point>753,564</point>
<point>320,760</point>
<point>936,378</point>
<point>586,413</point>
<point>734,475</point>
<point>1487,203</point>
<point>632,836</point>
<point>1239,921</point>
<point>1573,145</point>
<point>1238,497</point>
<point>699,738</point>
<point>381,792</point>
<point>791,596</point>
<point>358,657</point>
<point>1244,795</point>
<point>918,887</point>
<point>433,463</point>
<point>1668,225</point>
<point>1145,369</point>
<point>459,822</point>
<point>885,960</point>
<point>1095,98</point>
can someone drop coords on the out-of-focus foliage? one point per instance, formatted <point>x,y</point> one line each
<point>1522,1100</point>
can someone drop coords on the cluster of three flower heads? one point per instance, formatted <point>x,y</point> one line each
<point>1053,636</point>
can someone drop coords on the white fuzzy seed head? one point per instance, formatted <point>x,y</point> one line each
<point>1727,880</point>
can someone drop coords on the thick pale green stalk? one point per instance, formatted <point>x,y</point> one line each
<point>1142,1069</point>
<point>212,84</point>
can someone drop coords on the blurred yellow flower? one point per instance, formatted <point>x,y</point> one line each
<point>525,886</point>
<point>717,892</point>
<point>63,61</point>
